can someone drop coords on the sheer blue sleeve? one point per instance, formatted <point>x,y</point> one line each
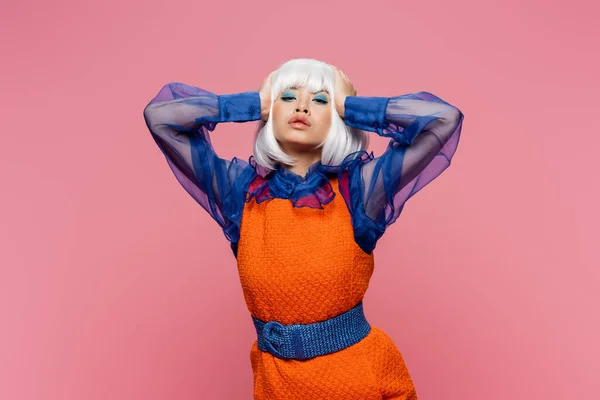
<point>180,118</point>
<point>424,133</point>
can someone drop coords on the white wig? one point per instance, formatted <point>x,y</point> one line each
<point>341,140</point>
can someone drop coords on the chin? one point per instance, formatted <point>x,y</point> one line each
<point>298,137</point>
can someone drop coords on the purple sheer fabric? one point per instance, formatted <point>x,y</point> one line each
<point>425,132</point>
<point>180,118</point>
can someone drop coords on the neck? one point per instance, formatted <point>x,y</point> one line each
<point>302,165</point>
<point>303,162</point>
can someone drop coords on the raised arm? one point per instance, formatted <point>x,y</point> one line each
<point>424,132</point>
<point>180,118</point>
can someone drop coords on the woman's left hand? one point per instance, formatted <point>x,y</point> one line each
<point>343,88</point>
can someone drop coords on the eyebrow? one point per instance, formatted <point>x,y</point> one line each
<point>296,88</point>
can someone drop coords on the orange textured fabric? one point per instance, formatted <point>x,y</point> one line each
<point>302,265</point>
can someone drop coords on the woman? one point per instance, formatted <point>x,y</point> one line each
<point>304,214</point>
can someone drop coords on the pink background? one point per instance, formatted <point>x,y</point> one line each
<point>115,284</point>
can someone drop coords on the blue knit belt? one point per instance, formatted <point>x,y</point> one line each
<point>304,341</point>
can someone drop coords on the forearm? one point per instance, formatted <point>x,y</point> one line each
<point>186,108</point>
<point>402,117</point>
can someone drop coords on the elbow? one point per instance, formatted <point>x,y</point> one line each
<point>453,116</point>
<point>151,116</point>
<point>148,115</point>
<point>165,94</point>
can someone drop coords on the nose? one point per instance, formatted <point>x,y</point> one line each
<point>302,108</point>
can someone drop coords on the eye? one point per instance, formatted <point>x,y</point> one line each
<point>287,97</point>
<point>321,99</point>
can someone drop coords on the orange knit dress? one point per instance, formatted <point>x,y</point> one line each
<point>300,266</point>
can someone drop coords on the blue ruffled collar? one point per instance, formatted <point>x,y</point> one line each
<point>312,190</point>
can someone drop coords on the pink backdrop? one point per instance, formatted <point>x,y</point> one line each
<point>115,284</point>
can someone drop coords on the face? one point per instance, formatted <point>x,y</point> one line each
<point>314,107</point>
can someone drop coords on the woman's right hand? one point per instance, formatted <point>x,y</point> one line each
<point>265,97</point>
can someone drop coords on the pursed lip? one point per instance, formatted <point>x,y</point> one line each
<point>299,118</point>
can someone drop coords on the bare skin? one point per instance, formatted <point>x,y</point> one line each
<point>299,140</point>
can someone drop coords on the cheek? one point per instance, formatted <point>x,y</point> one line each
<point>275,112</point>
<point>279,112</point>
<point>325,118</point>
<point>279,118</point>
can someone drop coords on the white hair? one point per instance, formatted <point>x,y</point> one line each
<point>341,140</point>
